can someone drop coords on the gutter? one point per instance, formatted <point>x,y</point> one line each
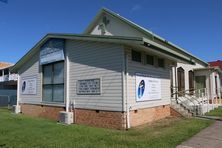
<point>67,83</point>
<point>166,50</point>
<point>127,106</point>
<point>97,38</point>
<point>18,90</point>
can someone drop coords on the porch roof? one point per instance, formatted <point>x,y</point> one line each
<point>217,69</point>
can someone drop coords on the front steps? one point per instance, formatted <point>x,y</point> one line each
<point>183,111</point>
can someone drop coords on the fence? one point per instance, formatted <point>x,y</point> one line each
<point>8,98</point>
<point>8,101</point>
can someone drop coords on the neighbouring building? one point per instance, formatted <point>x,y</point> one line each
<point>217,65</point>
<point>8,85</point>
<point>114,75</point>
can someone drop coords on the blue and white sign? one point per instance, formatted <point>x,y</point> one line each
<point>28,85</point>
<point>147,88</point>
<point>52,51</point>
<point>140,89</point>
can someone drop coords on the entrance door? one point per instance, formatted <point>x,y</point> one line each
<point>200,82</point>
<point>191,82</point>
<point>181,81</point>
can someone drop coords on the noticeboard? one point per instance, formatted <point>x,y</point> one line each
<point>89,87</point>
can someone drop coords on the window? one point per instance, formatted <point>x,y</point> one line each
<point>53,82</point>
<point>149,59</point>
<point>6,71</point>
<point>136,56</point>
<point>161,63</point>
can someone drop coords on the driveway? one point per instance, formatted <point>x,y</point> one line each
<point>210,137</point>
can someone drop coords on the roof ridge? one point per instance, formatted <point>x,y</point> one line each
<point>144,30</point>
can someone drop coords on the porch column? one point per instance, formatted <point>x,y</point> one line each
<point>174,81</point>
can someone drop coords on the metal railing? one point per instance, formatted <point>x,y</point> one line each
<point>9,77</point>
<point>187,100</point>
<point>197,101</point>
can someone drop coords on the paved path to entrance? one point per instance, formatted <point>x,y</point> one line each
<point>211,137</point>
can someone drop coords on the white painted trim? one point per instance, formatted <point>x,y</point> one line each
<point>126,82</point>
<point>67,83</point>
<point>123,81</point>
<point>18,90</point>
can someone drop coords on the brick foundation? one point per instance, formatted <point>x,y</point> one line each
<point>143,116</point>
<point>50,112</point>
<point>105,119</point>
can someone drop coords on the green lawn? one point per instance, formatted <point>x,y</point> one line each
<point>20,131</point>
<point>216,112</point>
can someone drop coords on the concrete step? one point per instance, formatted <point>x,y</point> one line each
<point>181,109</point>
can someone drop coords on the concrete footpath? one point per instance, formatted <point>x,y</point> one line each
<point>211,137</point>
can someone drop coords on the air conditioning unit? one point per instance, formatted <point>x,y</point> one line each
<point>16,109</point>
<point>66,117</point>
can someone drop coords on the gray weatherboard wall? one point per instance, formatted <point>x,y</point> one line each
<point>162,73</point>
<point>30,69</point>
<point>89,60</point>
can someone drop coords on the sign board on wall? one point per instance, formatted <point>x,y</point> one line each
<point>89,87</point>
<point>28,86</point>
<point>52,51</point>
<point>147,88</point>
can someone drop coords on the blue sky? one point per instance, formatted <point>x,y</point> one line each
<point>195,25</point>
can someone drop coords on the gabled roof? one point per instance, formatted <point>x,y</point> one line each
<point>140,29</point>
<point>138,42</point>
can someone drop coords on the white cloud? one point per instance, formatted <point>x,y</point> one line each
<point>136,7</point>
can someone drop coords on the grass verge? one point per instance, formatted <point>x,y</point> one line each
<point>20,131</point>
<point>216,112</point>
